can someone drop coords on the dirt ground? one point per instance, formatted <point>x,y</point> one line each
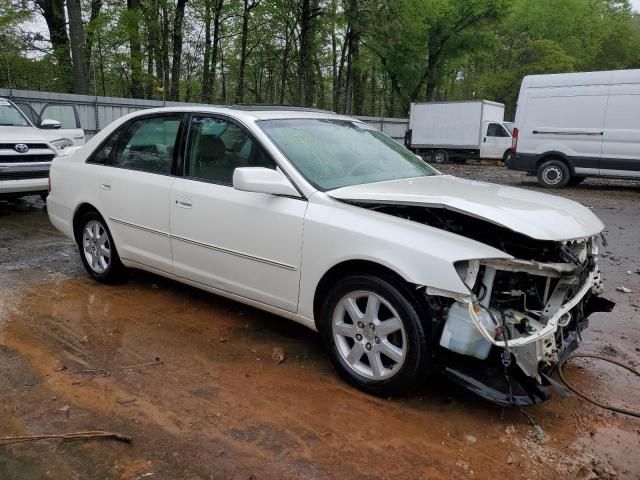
<point>219,406</point>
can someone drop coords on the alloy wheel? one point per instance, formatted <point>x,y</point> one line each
<point>369,335</point>
<point>96,246</point>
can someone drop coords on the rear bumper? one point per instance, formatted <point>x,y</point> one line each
<point>525,162</point>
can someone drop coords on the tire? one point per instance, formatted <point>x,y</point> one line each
<point>43,197</point>
<point>576,180</point>
<point>506,157</point>
<point>351,344</point>
<point>440,156</point>
<point>99,257</point>
<point>553,174</point>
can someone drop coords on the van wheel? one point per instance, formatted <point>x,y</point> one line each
<point>374,332</point>
<point>553,174</point>
<point>440,156</point>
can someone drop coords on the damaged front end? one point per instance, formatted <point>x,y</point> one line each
<point>521,317</point>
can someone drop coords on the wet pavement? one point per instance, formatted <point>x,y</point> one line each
<point>219,406</point>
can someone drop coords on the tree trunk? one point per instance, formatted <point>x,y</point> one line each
<point>206,65</point>
<point>53,12</point>
<point>177,50</point>
<point>243,52</point>
<point>135,55</point>
<point>78,53</point>
<point>90,37</point>
<point>215,47</point>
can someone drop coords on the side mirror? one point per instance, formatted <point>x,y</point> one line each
<point>263,180</point>
<point>50,124</point>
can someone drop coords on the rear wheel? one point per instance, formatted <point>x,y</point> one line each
<point>440,156</point>
<point>98,251</point>
<point>553,174</point>
<point>374,334</point>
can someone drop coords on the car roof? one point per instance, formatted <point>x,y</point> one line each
<point>251,113</point>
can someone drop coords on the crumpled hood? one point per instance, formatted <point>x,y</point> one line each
<point>537,215</point>
<point>28,134</point>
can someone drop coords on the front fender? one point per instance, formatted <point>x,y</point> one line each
<point>336,232</point>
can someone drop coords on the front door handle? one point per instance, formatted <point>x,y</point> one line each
<point>105,186</point>
<point>183,204</point>
<point>485,139</point>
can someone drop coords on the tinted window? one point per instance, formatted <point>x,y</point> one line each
<point>496,130</point>
<point>104,154</point>
<point>217,147</point>
<point>148,144</point>
<point>65,114</point>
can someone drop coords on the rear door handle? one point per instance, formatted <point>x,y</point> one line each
<point>183,204</point>
<point>105,186</point>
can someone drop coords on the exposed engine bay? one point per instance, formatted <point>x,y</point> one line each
<point>522,316</point>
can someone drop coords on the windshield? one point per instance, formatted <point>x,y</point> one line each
<point>337,153</point>
<point>510,126</point>
<point>10,116</point>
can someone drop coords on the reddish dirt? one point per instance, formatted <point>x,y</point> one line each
<point>219,406</point>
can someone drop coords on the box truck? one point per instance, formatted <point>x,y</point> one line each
<point>573,125</point>
<point>440,131</point>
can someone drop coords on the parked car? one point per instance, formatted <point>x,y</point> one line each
<point>26,151</point>
<point>462,130</point>
<point>571,126</point>
<point>324,220</point>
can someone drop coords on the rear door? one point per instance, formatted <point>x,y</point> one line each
<point>135,186</point>
<point>621,141</point>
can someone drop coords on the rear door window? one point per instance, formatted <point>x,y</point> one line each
<point>149,144</point>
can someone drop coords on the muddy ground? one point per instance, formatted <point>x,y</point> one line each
<point>219,406</point>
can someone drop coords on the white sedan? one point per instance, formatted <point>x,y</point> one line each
<point>324,220</point>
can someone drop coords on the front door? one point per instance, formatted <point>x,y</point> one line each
<point>244,243</point>
<point>495,141</point>
<point>135,186</point>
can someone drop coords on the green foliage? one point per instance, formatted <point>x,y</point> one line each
<point>364,56</point>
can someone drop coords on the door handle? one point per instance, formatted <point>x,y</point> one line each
<point>183,204</point>
<point>105,186</point>
<point>485,140</point>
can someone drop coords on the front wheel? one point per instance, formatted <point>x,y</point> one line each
<point>373,330</point>
<point>553,174</point>
<point>98,251</point>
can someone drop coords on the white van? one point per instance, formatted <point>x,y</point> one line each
<point>573,125</point>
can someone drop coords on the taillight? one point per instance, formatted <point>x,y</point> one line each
<point>514,141</point>
<point>49,184</point>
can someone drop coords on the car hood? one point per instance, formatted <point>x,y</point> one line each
<point>28,134</point>
<point>537,215</point>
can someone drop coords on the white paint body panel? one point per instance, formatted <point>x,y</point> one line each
<point>537,215</point>
<point>272,251</point>
<point>451,125</point>
<point>591,117</point>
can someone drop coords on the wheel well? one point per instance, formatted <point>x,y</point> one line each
<point>82,209</point>
<point>349,267</point>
